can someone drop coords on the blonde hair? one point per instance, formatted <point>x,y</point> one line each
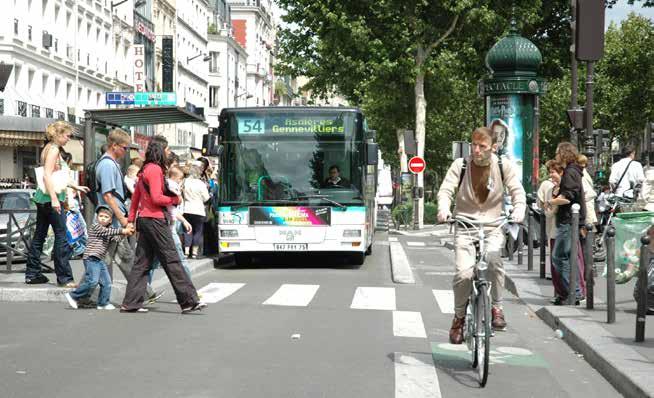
<point>195,171</point>
<point>582,160</point>
<point>567,153</point>
<point>132,170</point>
<point>175,171</point>
<point>118,136</point>
<point>57,129</point>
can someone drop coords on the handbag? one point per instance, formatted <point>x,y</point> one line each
<point>60,179</point>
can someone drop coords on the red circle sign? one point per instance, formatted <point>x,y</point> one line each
<point>417,165</point>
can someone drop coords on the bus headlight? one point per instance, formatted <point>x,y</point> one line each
<point>352,233</point>
<point>228,233</point>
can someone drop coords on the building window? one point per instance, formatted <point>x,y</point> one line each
<point>56,45</point>
<point>71,118</point>
<point>61,115</point>
<point>49,113</point>
<point>213,61</point>
<point>88,60</point>
<point>29,32</point>
<point>36,111</point>
<point>15,26</point>
<point>2,106</point>
<point>22,109</point>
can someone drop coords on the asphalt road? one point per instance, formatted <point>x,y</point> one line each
<point>300,327</point>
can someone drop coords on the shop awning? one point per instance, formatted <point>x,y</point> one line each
<point>144,116</point>
<point>21,138</point>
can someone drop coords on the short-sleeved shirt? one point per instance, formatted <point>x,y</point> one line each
<point>110,179</point>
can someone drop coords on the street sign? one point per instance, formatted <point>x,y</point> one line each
<point>417,165</point>
<point>143,99</point>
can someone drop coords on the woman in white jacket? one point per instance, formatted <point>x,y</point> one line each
<point>195,194</point>
<point>589,191</point>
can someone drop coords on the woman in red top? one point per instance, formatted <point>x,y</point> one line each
<point>155,237</point>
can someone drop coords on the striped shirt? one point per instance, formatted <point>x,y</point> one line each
<point>98,242</point>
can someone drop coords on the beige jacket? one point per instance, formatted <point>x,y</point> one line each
<point>467,204</point>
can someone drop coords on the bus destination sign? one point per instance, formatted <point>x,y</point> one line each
<point>290,124</point>
<point>290,216</point>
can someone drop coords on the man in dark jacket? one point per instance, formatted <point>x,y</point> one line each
<point>570,192</point>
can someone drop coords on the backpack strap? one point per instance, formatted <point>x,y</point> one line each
<point>499,162</point>
<point>464,166</point>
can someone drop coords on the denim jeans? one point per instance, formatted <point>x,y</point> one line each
<point>46,217</point>
<point>180,252</point>
<point>96,273</point>
<point>561,257</point>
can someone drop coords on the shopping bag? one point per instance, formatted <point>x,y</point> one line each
<point>76,232</point>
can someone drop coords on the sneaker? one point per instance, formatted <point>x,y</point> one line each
<point>498,322</point>
<point>37,280</point>
<point>122,309</point>
<point>456,331</point>
<point>106,307</point>
<point>197,307</point>
<point>68,285</point>
<point>154,297</point>
<point>71,301</point>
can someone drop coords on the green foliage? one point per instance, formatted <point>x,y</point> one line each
<point>212,29</point>
<point>403,214</point>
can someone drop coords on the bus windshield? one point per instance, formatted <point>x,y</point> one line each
<point>293,159</point>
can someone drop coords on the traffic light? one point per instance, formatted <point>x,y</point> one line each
<point>601,140</point>
<point>648,142</point>
<point>589,38</point>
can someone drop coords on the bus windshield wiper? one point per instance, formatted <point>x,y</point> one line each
<point>323,197</point>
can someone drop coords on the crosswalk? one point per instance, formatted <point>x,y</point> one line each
<point>415,373</point>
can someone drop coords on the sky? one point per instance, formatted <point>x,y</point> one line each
<point>622,9</point>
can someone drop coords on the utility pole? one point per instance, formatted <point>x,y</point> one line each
<point>574,106</point>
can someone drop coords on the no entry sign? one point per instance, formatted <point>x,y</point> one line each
<point>417,165</point>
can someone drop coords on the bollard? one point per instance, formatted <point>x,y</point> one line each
<point>588,259</point>
<point>610,274</point>
<point>520,243</point>
<point>641,312</point>
<point>530,239</point>
<point>574,267</point>
<point>510,245</point>
<point>10,253</point>
<point>544,244</point>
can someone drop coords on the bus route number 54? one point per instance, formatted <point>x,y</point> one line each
<point>251,126</point>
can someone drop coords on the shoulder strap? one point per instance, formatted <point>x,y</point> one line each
<point>499,162</point>
<point>464,166</point>
<point>624,173</point>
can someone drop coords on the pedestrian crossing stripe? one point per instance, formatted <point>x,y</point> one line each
<point>215,292</point>
<point>445,300</point>
<point>374,298</point>
<point>416,244</point>
<point>415,376</point>
<point>293,295</point>
<point>408,324</point>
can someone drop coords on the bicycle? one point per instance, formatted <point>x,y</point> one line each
<point>618,204</point>
<point>478,329</point>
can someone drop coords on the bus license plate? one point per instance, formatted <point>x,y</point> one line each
<point>293,247</point>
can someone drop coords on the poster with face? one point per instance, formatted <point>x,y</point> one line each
<point>511,117</point>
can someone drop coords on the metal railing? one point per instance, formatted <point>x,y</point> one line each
<point>17,237</point>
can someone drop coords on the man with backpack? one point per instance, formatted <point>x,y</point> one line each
<point>627,173</point>
<point>478,184</point>
<point>110,192</point>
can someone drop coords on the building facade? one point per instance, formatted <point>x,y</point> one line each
<point>59,54</point>
<point>193,17</point>
<point>254,30</point>
<point>165,26</point>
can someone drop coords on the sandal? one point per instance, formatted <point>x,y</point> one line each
<point>197,307</point>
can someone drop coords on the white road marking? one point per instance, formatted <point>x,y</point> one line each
<point>293,295</point>
<point>374,298</point>
<point>445,300</point>
<point>416,244</point>
<point>415,376</point>
<point>215,292</point>
<point>392,239</point>
<point>408,324</point>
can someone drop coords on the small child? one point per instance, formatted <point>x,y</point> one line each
<point>96,270</point>
<point>173,182</point>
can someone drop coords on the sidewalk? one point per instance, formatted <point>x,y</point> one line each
<point>13,287</point>
<point>438,230</point>
<point>609,348</point>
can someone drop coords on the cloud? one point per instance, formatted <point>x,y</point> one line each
<point>621,10</point>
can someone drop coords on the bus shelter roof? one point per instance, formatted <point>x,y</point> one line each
<point>144,116</point>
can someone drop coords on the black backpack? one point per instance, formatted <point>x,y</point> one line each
<point>90,181</point>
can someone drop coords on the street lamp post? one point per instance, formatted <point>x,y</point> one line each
<point>236,97</point>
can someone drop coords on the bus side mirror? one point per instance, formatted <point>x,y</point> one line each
<point>372,154</point>
<point>210,146</point>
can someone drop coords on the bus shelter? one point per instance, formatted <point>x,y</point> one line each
<point>128,117</point>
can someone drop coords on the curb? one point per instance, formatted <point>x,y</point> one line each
<point>620,365</point>
<point>400,267</point>
<point>56,294</point>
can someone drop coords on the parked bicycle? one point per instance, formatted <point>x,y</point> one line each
<point>478,329</point>
<point>618,204</point>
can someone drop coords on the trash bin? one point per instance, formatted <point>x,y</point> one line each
<point>629,228</point>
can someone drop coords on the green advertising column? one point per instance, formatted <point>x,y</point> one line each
<point>511,95</point>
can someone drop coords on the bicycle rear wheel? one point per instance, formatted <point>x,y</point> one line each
<point>483,333</point>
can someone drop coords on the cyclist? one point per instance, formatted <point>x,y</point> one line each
<point>479,195</point>
<point>626,173</point>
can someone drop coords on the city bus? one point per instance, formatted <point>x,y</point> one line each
<point>277,194</point>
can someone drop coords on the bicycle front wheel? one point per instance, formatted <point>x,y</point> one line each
<point>483,334</point>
